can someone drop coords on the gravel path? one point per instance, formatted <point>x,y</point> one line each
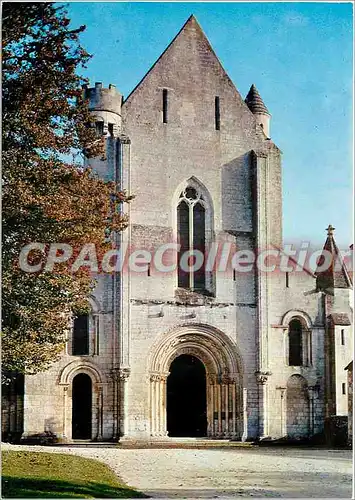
<point>231,472</point>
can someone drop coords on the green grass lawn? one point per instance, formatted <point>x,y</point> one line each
<point>28,474</point>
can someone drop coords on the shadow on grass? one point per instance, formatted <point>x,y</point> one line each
<point>46,488</point>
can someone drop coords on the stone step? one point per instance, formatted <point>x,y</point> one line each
<point>184,443</point>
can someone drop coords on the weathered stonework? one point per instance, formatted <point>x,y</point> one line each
<point>239,330</point>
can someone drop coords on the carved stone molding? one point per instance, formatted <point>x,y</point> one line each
<point>262,377</point>
<point>225,378</point>
<point>196,339</point>
<point>313,390</point>
<point>124,373</point>
<point>212,379</point>
<point>159,377</point>
<point>124,139</point>
<point>282,391</point>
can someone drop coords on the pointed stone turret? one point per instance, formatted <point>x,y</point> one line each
<point>336,274</point>
<point>256,105</point>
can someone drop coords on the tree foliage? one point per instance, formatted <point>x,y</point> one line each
<point>48,196</point>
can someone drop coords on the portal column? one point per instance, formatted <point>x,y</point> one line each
<point>116,412</point>
<point>65,411</point>
<point>225,392</point>
<point>262,378</point>
<point>234,416</point>
<point>158,404</point>
<point>163,403</point>
<point>282,411</point>
<point>152,405</point>
<point>214,413</point>
<point>215,410</point>
<point>210,406</point>
<point>219,409</point>
<point>123,417</point>
<point>99,412</point>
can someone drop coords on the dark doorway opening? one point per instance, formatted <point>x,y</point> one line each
<point>186,398</point>
<point>82,407</point>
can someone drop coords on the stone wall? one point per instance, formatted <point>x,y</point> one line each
<point>350,403</point>
<point>245,314</point>
<point>12,409</point>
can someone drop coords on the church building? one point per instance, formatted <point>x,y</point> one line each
<point>208,353</point>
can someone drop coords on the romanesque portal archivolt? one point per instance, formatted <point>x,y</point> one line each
<point>224,393</point>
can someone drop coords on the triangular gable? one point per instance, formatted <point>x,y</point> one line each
<point>191,29</point>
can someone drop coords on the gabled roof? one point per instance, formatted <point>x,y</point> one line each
<point>294,262</point>
<point>336,274</point>
<point>191,29</point>
<point>190,25</point>
<point>341,319</point>
<point>255,103</point>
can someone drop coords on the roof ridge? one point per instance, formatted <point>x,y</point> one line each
<point>294,261</point>
<point>190,20</point>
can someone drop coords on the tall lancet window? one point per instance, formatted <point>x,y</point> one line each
<point>191,226</point>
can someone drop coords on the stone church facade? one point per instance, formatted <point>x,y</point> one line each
<point>224,355</point>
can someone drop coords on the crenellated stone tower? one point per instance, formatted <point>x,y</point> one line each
<point>106,105</point>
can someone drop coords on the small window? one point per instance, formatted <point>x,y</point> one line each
<point>110,129</point>
<point>217,114</point>
<point>165,106</point>
<point>342,337</point>
<point>343,387</point>
<point>99,127</point>
<point>81,335</point>
<point>287,277</point>
<point>148,269</point>
<point>234,275</point>
<point>97,338</point>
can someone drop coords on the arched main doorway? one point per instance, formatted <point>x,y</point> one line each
<point>82,407</point>
<point>186,398</point>
<point>192,362</point>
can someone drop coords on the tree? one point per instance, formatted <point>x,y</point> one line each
<point>48,196</point>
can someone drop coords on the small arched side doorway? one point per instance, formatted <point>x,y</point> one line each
<point>186,398</point>
<point>82,407</point>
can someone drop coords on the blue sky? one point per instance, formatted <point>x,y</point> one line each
<point>299,55</point>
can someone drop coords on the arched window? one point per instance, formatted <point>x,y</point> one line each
<point>295,343</point>
<point>191,226</point>
<point>81,336</point>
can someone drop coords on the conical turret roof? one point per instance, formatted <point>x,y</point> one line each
<point>255,103</point>
<point>336,275</point>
